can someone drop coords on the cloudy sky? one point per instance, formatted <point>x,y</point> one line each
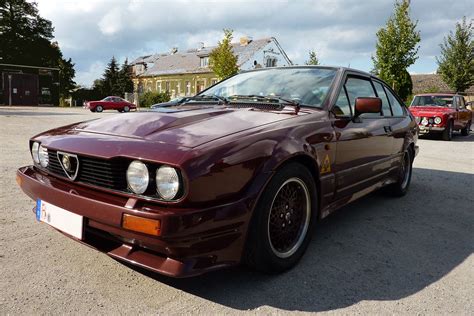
<point>341,31</point>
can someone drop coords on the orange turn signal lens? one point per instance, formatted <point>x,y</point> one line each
<point>141,224</point>
<point>18,180</point>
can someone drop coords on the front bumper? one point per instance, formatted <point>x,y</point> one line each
<point>430,129</point>
<point>192,241</point>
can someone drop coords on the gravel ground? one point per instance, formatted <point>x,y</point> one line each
<point>412,255</point>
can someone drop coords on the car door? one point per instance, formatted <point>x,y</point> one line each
<point>107,103</point>
<point>363,147</point>
<point>464,115</point>
<point>399,121</point>
<point>117,103</point>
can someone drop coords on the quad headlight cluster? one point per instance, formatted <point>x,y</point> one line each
<point>436,120</point>
<point>40,154</point>
<point>167,180</point>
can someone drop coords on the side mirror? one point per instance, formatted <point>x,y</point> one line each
<point>367,105</point>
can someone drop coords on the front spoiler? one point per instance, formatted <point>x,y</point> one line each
<point>193,242</point>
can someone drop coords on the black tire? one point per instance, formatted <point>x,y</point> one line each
<point>99,108</point>
<point>466,129</point>
<point>400,188</point>
<point>448,132</point>
<point>126,108</point>
<point>120,111</point>
<point>270,248</point>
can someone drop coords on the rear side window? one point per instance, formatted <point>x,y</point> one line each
<point>383,96</point>
<point>357,87</point>
<point>397,107</point>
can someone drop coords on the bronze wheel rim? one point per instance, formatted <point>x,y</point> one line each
<point>289,218</point>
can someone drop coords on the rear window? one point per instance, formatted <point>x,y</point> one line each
<point>432,100</point>
<point>397,107</point>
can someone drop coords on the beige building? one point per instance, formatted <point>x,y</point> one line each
<point>187,73</point>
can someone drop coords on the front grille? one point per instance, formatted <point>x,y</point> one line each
<point>108,174</point>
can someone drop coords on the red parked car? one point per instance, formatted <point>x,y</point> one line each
<point>441,113</point>
<point>110,103</point>
<point>239,173</point>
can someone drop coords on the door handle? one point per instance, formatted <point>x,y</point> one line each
<point>388,130</point>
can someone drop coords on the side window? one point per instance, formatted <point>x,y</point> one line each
<point>462,103</point>
<point>357,87</point>
<point>397,108</point>
<point>342,106</point>
<point>383,96</point>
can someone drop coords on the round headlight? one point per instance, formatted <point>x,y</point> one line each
<point>137,177</point>
<point>437,120</point>
<point>424,121</point>
<point>43,156</point>
<point>167,182</point>
<point>34,152</point>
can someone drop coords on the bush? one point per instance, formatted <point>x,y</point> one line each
<point>63,102</point>
<point>149,98</point>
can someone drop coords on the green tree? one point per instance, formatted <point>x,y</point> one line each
<point>313,58</point>
<point>456,63</point>
<point>24,34</point>
<point>109,83</point>
<point>396,49</point>
<point>66,75</point>
<point>25,39</point>
<point>125,79</point>
<point>222,59</point>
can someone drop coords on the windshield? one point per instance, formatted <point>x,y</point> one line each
<point>308,86</point>
<point>433,100</point>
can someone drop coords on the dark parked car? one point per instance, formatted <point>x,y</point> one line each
<point>110,103</point>
<point>172,102</point>
<point>441,113</point>
<point>238,173</point>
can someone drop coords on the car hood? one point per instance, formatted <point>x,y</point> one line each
<point>183,126</point>
<point>429,110</point>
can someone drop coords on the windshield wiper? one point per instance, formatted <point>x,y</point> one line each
<point>203,97</point>
<point>268,98</point>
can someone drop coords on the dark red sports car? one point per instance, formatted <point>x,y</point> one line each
<point>110,103</point>
<point>238,173</point>
<point>441,113</point>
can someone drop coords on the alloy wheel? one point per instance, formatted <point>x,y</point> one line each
<point>289,217</point>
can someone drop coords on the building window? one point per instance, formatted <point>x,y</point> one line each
<point>178,88</point>
<point>213,81</point>
<point>188,88</point>
<point>158,86</point>
<point>271,62</point>
<point>167,86</point>
<point>204,61</point>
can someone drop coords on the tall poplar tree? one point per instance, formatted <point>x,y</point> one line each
<point>222,59</point>
<point>396,49</point>
<point>456,63</point>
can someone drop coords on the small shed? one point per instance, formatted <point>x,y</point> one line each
<point>29,85</point>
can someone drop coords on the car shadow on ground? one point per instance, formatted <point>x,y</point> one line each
<point>378,248</point>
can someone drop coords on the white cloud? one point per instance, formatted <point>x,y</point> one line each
<point>341,31</point>
<point>111,22</point>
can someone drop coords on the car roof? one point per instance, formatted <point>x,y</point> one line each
<point>337,68</point>
<point>435,94</point>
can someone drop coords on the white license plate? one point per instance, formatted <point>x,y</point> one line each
<point>60,218</point>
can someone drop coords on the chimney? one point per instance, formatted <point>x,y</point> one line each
<point>200,46</point>
<point>245,40</point>
<point>174,50</point>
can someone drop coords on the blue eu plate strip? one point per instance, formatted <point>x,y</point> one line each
<point>38,209</point>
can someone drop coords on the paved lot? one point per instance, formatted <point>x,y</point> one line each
<point>412,255</point>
